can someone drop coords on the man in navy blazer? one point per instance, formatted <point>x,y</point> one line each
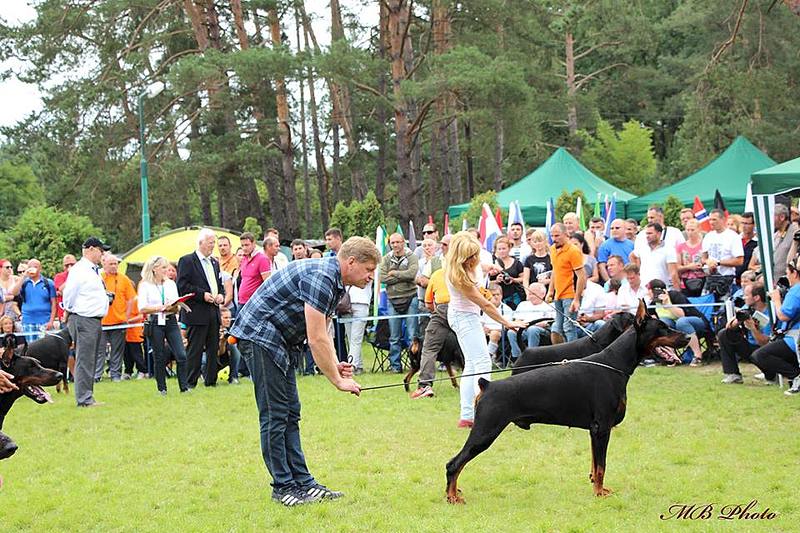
<point>198,273</point>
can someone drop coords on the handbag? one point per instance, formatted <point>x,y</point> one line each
<point>718,285</point>
<point>147,328</point>
<point>694,286</point>
<point>344,307</point>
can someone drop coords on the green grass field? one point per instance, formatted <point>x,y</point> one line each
<point>193,463</point>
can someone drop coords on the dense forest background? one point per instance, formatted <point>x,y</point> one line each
<point>430,105</point>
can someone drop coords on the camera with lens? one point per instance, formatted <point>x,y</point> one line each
<point>783,286</point>
<point>504,278</point>
<point>743,314</point>
<point>657,292</point>
<point>796,236</point>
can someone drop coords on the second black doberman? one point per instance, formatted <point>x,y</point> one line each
<point>29,377</point>
<point>588,393</point>
<point>450,356</point>
<point>7,446</point>
<point>577,349</point>
<point>52,351</point>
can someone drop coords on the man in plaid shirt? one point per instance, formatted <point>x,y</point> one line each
<point>292,305</point>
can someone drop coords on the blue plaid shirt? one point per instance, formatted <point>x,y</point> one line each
<point>274,317</point>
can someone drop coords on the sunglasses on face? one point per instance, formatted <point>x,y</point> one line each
<point>428,232</point>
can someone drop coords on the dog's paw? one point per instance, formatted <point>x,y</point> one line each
<point>604,491</point>
<point>455,500</point>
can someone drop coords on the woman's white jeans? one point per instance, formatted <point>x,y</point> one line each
<point>355,332</point>
<point>469,331</point>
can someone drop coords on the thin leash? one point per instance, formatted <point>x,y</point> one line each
<point>524,367</point>
<point>567,317</point>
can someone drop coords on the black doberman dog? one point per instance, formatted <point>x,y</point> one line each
<point>29,377</point>
<point>450,356</point>
<point>52,351</point>
<point>576,349</point>
<point>7,446</point>
<point>587,393</point>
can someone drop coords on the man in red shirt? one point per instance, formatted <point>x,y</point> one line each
<point>254,267</point>
<point>59,280</point>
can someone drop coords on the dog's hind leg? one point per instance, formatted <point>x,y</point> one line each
<point>452,374</point>
<point>489,423</point>
<point>408,377</point>
<point>600,435</point>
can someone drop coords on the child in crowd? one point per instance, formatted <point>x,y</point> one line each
<point>492,328</point>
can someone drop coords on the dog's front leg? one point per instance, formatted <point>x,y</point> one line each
<point>600,435</point>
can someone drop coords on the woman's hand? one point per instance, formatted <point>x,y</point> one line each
<point>516,325</point>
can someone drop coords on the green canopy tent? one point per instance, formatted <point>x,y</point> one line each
<point>730,173</point>
<point>561,172</point>
<point>766,184</point>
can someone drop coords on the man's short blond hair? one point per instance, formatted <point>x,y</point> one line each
<point>360,248</point>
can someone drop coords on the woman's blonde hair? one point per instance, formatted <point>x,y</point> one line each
<point>4,319</point>
<point>501,240</point>
<point>463,256</point>
<point>538,236</point>
<point>149,267</point>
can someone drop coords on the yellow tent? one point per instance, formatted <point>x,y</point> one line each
<point>172,244</point>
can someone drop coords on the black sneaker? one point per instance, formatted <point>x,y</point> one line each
<point>293,497</point>
<point>322,492</point>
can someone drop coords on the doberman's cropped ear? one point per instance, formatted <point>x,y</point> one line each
<point>8,354</point>
<point>641,313</point>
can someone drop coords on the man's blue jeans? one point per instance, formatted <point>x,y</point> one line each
<point>396,332</point>
<point>561,325</point>
<point>531,336</point>
<point>279,416</point>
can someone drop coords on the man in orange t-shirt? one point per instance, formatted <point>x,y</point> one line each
<point>119,311</point>
<point>564,291</point>
<point>134,339</point>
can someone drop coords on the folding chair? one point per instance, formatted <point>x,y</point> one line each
<point>708,339</point>
<point>378,339</point>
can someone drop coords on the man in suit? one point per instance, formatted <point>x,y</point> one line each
<point>198,273</point>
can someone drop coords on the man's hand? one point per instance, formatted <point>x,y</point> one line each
<point>208,297</point>
<point>6,385</point>
<point>574,306</point>
<point>49,325</point>
<point>345,370</point>
<point>517,325</point>
<point>348,385</point>
<point>751,324</point>
<point>549,298</point>
<point>218,299</point>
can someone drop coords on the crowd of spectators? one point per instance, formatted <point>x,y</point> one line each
<point>565,283</point>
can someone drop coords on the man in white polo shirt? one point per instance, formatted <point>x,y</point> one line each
<point>86,301</point>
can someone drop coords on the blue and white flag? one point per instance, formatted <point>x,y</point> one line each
<point>611,214</point>
<point>515,216</point>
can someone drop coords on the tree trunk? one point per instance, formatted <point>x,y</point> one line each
<point>337,186</point>
<point>572,110</point>
<point>304,141</point>
<point>435,180</point>
<point>398,25</point>
<point>382,138</point>
<point>322,179</point>
<point>290,224</point>
<point>499,149</point>
<point>470,176</point>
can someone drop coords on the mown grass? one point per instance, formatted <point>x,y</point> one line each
<point>193,463</point>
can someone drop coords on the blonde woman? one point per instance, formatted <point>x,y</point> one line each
<point>462,271</point>
<point>537,266</point>
<point>157,295</point>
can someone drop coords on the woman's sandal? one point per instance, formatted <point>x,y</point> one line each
<point>696,361</point>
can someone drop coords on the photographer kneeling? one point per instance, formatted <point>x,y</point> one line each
<point>742,335</point>
<point>779,356</point>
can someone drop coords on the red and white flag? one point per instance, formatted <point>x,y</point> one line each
<point>701,215</point>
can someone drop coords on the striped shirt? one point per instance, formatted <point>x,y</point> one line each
<point>274,317</point>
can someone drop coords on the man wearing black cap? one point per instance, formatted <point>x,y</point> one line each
<point>86,301</point>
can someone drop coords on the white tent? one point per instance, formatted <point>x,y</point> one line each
<point>766,184</point>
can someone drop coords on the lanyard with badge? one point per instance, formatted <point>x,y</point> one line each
<point>162,317</point>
